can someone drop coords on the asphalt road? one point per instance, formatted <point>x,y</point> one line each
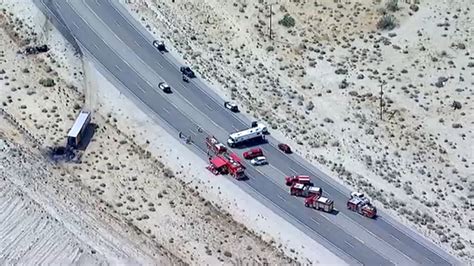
<point>123,49</point>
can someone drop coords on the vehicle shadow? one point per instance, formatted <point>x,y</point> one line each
<point>88,135</point>
<point>251,144</point>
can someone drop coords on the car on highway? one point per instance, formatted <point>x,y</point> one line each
<point>284,148</point>
<point>164,87</point>
<point>160,45</point>
<point>260,160</point>
<point>231,106</point>
<point>186,71</point>
<point>252,153</point>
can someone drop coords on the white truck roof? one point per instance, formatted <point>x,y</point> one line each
<point>324,200</point>
<point>78,124</point>
<point>251,132</point>
<point>298,186</point>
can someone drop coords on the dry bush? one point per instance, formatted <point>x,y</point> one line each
<point>387,22</point>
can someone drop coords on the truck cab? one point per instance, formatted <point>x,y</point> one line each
<point>302,190</point>
<point>319,203</point>
<point>298,179</point>
<point>362,206</point>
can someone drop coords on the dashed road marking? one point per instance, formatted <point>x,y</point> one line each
<point>140,87</point>
<point>360,240</point>
<point>75,25</point>
<point>315,221</point>
<point>349,244</point>
<point>394,237</point>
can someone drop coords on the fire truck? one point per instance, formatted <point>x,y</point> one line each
<point>319,203</point>
<point>298,179</point>
<point>224,162</point>
<point>304,190</point>
<point>360,204</point>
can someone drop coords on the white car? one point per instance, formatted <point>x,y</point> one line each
<point>356,194</point>
<point>260,160</point>
<point>164,87</point>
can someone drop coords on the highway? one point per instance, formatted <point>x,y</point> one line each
<point>122,48</point>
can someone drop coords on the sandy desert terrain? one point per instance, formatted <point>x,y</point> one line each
<point>318,83</point>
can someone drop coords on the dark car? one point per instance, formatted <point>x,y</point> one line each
<point>284,148</point>
<point>187,72</point>
<point>160,45</point>
<point>231,106</point>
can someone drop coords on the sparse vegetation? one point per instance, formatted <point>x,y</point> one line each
<point>47,82</point>
<point>387,22</point>
<point>392,5</point>
<point>287,21</point>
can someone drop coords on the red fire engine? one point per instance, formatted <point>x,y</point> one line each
<point>360,204</point>
<point>303,190</point>
<point>319,203</point>
<point>300,179</point>
<point>224,162</point>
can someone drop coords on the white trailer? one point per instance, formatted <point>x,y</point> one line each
<point>246,135</point>
<point>78,130</point>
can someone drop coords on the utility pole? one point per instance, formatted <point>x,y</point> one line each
<point>271,14</point>
<point>381,100</point>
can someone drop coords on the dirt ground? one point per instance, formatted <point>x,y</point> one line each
<point>119,202</point>
<point>318,82</point>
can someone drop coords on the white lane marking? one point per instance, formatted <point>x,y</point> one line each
<point>315,221</point>
<point>349,244</point>
<point>235,128</point>
<point>208,107</point>
<point>431,262</point>
<point>140,87</point>
<point>360,240</point>
<point>97,2</point>
<point>166,110</point>
<point>96,46</point>
<point>395,237</point>
<point>118,68</point>
<point>74,24</point>
<point>281,197</point>
<point>139,45</point>
<point>293,170</point>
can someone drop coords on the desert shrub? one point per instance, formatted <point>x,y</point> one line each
<point>47,82</point>
<point>287,21</point>
<point>392,5</point>
<point>387,22</point>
